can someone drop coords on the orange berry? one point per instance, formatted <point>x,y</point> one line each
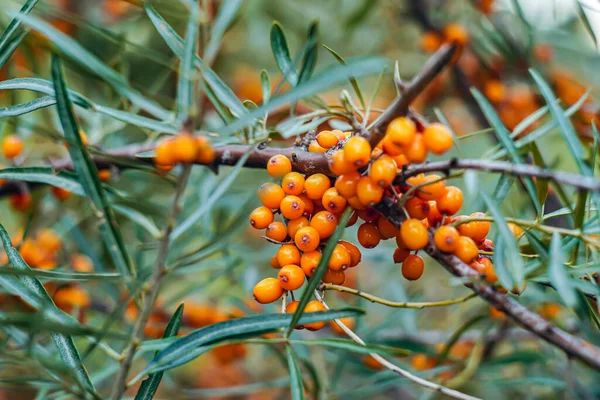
<point>515,229</point>
<point>401,131</point>
<point>288,254</point>
<point>386,228</point>
<point>291,307</point>
<point>270,195</point>
<point>261,217</point>
<point>414,234</point>
<point>310,261</point>
<point>295,224</point>
<point>82,263</point>
<point>314,306</point>
<point>277,231</point>
<point>48,240</point>
<point>494,90</point>
<point>422,362</point>
<point>309,205</point>
<point>341,135</point>
<point>430,42</point>
<point>164,154</point>
<point>279,165</point>
<point>370,362</point>
<point>400,254</point>
<point>346,184</point>
<point>185,149</point>
<point>335,277</point>
<point>357,151</point>
<point>416,208</point>
<point>456,33</point>
<point>416,152</point>
<point>291,277</point>
<point>315,185</point>
<point>495,313</point>
<point>293,183</point>
<point>104,175</point>
<point>353,219</point>
<point>324,222</point>
<point>327,139</point>
<point>446,238</point>
<point>368,235</point>
<point>348,321</point>
<point>60,193</point>
<point>355,255</point>
<point>206,153</point>
<point>20,201</point>
<point>291,207</point>
<point>437,138</point>
<point>339,165</point>
<point>368,214</point>
<point>340,259</point>
<point>432,191</point>
<point>315,147</point>
<point>12,146</point>
<point>383,171</point>
<point>400,160</point>
<point>307,238</point>
<point>267,291</point>
<point>390,148</point>
<point>476,230</point>
<point>332,201</point>
<point>356,204</point>
<point>368,192</point>
<point>412,267</point>
<point>466,249</point>
<point>69,297</point>
<point>274,263</point>
<point>451,201</point>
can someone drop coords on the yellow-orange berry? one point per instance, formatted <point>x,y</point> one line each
<point>456,33</point>
<point>295,224</point>
<point>383,171</point>
<point>12,146</point>
<point>357,151</point>
<point>293,183</point>
<point>335,277</point>
<point>104,175</point>
<point>386,228</point>
<point>164,154</point>
<point>206,153</point>
<point>356,204</point>
<point>430,42</point>
<point>416,208</point>
<point>348,321</point>
<point>355,254</point>
<point>401,131</point>
<point>60,193</point>
<point>446,238</point>
<point>368,235</point>
<point>291,277</point>
<point>368,214</point>
<point>466,249</point>
<point>339,165</point>
<point>390,148</point>
<point>315,185</point>
<point>476,230</point>
<point>48,240</point>
<point>185,148</point>
<point>82,263</point>
<point>261,217</point>
<point>341,135</point>
<point>307,238</point>
<point>346,184</point>
<point>433,190</point>
<point>327,139</point>
<point>270,195</point>
<point>279,165</point>
<point>324,222</point>
<point>314,306</point>
<point>422,362</point>
<point>309,261</point>
<point>416,151</point>
<point>515,229</point>
<point>332,201</point>
<point>315,147</point>
<point>267,291</point>
<point>274,262</point>
<point>340,259</point>
<point>368,192</point>
<point>277,231</point>
<point>291,207</point>
<point>292,306</point>
<point>451,201</point>
<point>414,234</point>
<point>437,138</point>
<point>412,267</point>
<point>495,313</point>
<point>494,90</point>
<point>69,297</point>
<point>288,254</point>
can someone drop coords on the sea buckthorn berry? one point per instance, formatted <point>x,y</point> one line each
<point>353,219</point>
<point>355,255</point>
<point>48,240</point>
<point>288,254</point>
<point>400,255</point>
<point>310,261</point>
<point>348,321</point>
<point>12,146</point>
<point>185,148</point>
<point>295,224</point>
<point>315,185</point>
<point>346,184</point>
<point>327,139</point>
<point>340,259</point>
<point>324,222</point>
<point>69,297</point>
<point>476,230</point>
<point>368,192</point>
<point>391,149</point>
<point>341,135</point>
<point>357,151</point>
<point>270,195</point>
<point>356,204</point>
<point>383,171</point>
<point>466,249</point>
<point>314,306</point>
<point>267,291</point>
<point>456,33</point>
<point>430,42</point>
<point>368,214</point>
<point>376,152</point>
<point>82,263</point>
<point>494,90</point>
<point>274,263</point>
<point>433,190</point>
<point>339,165</point>
<point>332,201</point>
<point>293,183</point>
<point>515,229</point>
<point>412,267</point>
<point>496,314</point>
<point>291,207</point>
<point>279,165</point>
<point>370,362</point>
<point>307,238</point>
<point>277,231</point>
<point>437,138</point>
<point>104,175</point>
<point>416,152</point>
<point>291,277</point>
<point>21,201</point>
<point>400,161</point>
<point>401,131</point>
<point>435,218</point>
<point>368,235</point>
<point>446,238</point>
<point>60,193</point>
<point>206,152</point>
<point>414,234</point>
<point>291,308</point>
<point>315,147</point>
<point>334,277</point>
<point>261,217</point>
<point>486,245</point>
<point>451,201</point>
<point>417,208</point>
<point>165,153</point>
<point>386,228</point>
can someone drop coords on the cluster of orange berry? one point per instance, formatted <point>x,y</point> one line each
<point>183,148</point>
<point>40,251</point>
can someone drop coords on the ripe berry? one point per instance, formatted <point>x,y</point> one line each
<point>341,135</point>
<point>20,201</point>
<point>434,217</point>
<point>81,263</point>
<point>48,240</point>
<point>368,192</point>
<point>391,149</point>
<point>274,263</point>
<point>324,222</point>
<point>451,201</point>
<point>456,33</point>
<point>279,165</point>
<point>310,261</point>
<point>270,195</point>
<point>315,185</point>
<point>476,230</point>
<point>309,205</point>
<point>412,267</point>
<point>401,131</point>
<point>339,165</point>
<point>383,171</point>
<point>446,238</point>
<point>386,228</point>
<point>353,219</point>
<point>356,204</point>
<point>437,138</point>
<point>314,306</point>
<point>291,307</point>
<point>295,224</point>
<point>368,214</point>
<point>164,154</point>
<point>261,217</point>
<point>466,249</point>
<point>348,321</point>
<point>307,238</point>
<point>357,151</point>
<point>288,254</point>
<point>515,229</point>
<point>414,234</point>
<point>332,201</point>
<point>340,259</point>
<point>60,193</point>
<point>104,175</point>
<point>291,277</point>
<point>355,255</point>
<point>431,191</point>
<point>430,42</point>
<point>346,184</point>
<point>69,297</point>
<point>267,291</point>
<point>416,208</point>
<point>12,146</point>
<point>416,152</point>
<point>315,147</point>
<point>368,235</point>
<point>291,207</point>
<point>335,277</point>
<point>277,231</point>
<point>185,149</point>
<point>494,90</point>
<point>400,254</point>
<point>293,183</point>
<point>327,139</point>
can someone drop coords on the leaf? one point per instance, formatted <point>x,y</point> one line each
<point>15,23</point>
<point>309,61</point>
<point>281,52</point>
<point>296,384</point>
<point>557,274</point>
<point>54,275</point>
<point>88,175</point>
<point>319,272</point>
<point>352,79</point>
<point>149,386</point>
<point>227,11</point>
<point>540,184</point>
<point>26,108</point>
<point>137,120</point>
<point>42,86</point>
<point>139,218</point>
<point>11,46</point>
<point>502,188</point>
<point>538,246</point>
<point>266,86</point>
<point>350,345</point>
<point>46,175</point>
<point>185,88</point>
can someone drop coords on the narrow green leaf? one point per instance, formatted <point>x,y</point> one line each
<point>502,188</point>
<point>558,275</point>
<point>139,218</point>
<point>42,86</point>
<point>309,61</point>
<point>540,184</point>
<point>149,386</point>
<point>185,88</point>
<point>539,247</point>
<point>266,86</point>
<point>350,345</point>
<point>136,120</point>
<point>26,108</point>
<point>53,275</point>
<point>227,11</point>
<point>352,79</point>
<point>11,46</point>
<point>504,276</point>
<point>319,272</point>
<point>15,23</point>
<point>296,384</point>
<point>62,179</point>
<point>281,52</point>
